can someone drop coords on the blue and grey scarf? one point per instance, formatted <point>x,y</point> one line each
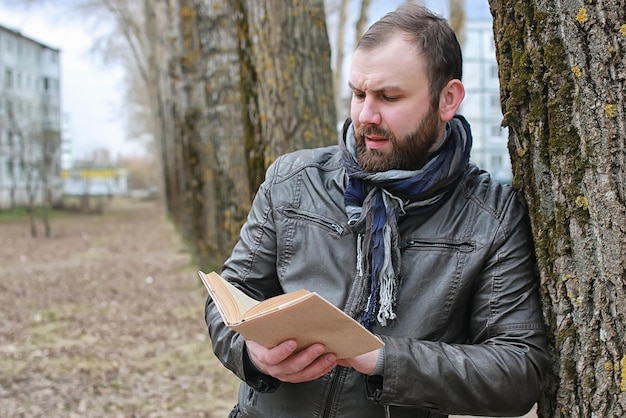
<point>375,200</point>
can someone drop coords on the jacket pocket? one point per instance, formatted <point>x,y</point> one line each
<point>314,219</point>
<point>438,244</point>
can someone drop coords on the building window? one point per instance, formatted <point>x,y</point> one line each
<point>496,130</point>
<point>494,72</point>
<point>8,78</point>
<point>494,101</point>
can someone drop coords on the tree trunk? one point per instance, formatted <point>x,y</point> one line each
<point>340,45</point>
<point>361,23</point>
<point>562,76</point>
<point>209,129</point>
<point>157,86</point>
<point>294,93</point>
<point>457,19</point>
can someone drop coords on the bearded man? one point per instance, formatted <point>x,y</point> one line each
<point>396,227</point>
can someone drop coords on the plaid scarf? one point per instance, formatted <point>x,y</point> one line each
<point>375,200</point>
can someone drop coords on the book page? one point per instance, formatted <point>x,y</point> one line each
<point>230,301</point>
<point>276,302</point>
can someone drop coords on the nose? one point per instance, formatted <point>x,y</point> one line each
<point>369,112</point>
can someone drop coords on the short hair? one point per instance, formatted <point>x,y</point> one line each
<point>430,33</point>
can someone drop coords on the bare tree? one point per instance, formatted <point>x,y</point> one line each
<point>361,23</point>
<point>457,19</point>
<point>340,55</point>
<point>13,157</point>
<point>34,164</point>
<point>563,91</point>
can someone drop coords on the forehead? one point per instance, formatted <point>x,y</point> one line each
<point>396,62</point>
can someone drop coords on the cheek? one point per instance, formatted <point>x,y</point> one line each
<point>404,121</point>
<point>399,124</point>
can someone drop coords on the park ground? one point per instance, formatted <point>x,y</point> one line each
<point>105,319</point>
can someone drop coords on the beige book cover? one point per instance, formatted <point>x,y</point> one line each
<point>302,315</point>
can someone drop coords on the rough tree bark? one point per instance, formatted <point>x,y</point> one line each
<point>290,53</point>
<point>250,80</point>
<point>206,113</point>
<point>563,87</point>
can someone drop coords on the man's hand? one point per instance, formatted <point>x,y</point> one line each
<point>281,362</point>
<point>365,363</point>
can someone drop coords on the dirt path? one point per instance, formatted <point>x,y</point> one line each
<point>105,319</point>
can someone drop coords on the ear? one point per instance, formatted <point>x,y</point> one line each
<point>450,99</point>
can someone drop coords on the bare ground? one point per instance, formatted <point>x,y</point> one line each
<point>105,319</point>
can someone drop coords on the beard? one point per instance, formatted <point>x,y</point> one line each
<point>409,153</point>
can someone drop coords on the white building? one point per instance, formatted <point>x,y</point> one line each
<point>95,181</point>
<point>30,120</point>
<point>481,106</point>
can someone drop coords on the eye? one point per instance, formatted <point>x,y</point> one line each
<point>358,94</point>
<point>391,98</point>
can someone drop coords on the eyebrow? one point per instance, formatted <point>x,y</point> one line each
<point>377,91</point>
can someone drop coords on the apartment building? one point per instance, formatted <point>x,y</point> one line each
<point>30,120</point>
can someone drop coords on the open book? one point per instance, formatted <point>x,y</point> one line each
<point>302,315</point>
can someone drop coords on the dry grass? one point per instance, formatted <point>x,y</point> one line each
<point>105,319</point>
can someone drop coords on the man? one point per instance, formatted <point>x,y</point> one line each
<point>396,227</point>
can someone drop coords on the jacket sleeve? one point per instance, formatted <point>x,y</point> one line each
<point>499,371</point>
<point>256,247</point>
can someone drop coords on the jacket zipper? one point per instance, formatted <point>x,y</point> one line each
<point>464,247</point>
<point>331,391</point>
<point>331,395</point>
<point>324,223</point>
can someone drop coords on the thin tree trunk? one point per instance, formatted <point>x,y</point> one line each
<point>339,56</point>
<point>361,24</point>
<point>457,19</point>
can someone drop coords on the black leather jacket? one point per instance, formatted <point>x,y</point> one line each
<point>469,338</point>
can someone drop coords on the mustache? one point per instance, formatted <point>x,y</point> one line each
<point>364,130</point>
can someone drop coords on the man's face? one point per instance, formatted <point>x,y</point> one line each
<point>395,124</point>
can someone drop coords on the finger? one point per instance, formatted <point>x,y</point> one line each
<point>301,360</point>
<point>267,357</point>
<point>308,364</point>
<point>318,368</point>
